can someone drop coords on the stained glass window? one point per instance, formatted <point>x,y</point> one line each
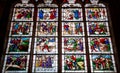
<point>99,39</point>
<point>46,38</point>
<point>19,44</point>
<point>73,40</point>
<point>70,37</point>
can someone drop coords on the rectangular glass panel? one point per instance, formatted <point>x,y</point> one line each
<point>46,45</point>
<point>23,14</point>
<point>72,29</point>
<point>19,45</point>
<point>96,14</point>
<point>47,29</point>
<point>73,45</point>
<point>98,29</point>
<point>102,63</point>
<point>16,63</point>
<point>45,63</point>
<point>70,14</point>
<point>100,45</point>
<point>47,14</point>
<point>74,63</point>
<point>21,29</point>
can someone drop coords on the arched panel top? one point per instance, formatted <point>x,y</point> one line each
<point>47,5</point>
<point>72,5</point>
<point>97,5</point>
<point>24,5</point>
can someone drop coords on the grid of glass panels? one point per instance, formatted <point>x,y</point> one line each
<point>46,42</point>
<point>73,41</point>
<point>99,40</point>
<point>19,43</point>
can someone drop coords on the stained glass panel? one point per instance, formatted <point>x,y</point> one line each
<point>103,63</point>
<point>19,45</point>
<point>16,63</point>
<point>23,14</point>
<point>96,14</point>
<point>70,14</point>
<point>45,63</point>
<point>47,14</point>
<point>74,63</point>
<point>98,29</point>
<point>46,45</point>
<point>72,28</point>
<point>21,29</point>
<point>47,29</point>
<point>73,45</point>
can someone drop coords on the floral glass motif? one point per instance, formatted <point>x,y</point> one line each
<point>96,14</point>
<point>16,63</point>
<point>70,14</point>
<point>98,29</point>
<point>19,45</point>
<point>73,45</point>
<point>103,63</point>
<point>21,29</point>
<point>100,45</point>
<point>47,14</point>
<point>72,28</point>
<point>45,45</point>
<point>45,63</point>
<point>23,14</point>
<point>74,63</point>
<point>46,29</point>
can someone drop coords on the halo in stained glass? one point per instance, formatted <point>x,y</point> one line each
<point>102,63</point>
<point>21,29</point>
<point>73,45</point>
<point>19,45</point>
<point>100,45</point>
<point>47,29</point>
<point>96,14</point>
<point>16,63</point>
<point>98,29</point>
<point>46,45</point>
<point>74,63</point>
<point>45,63</point>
